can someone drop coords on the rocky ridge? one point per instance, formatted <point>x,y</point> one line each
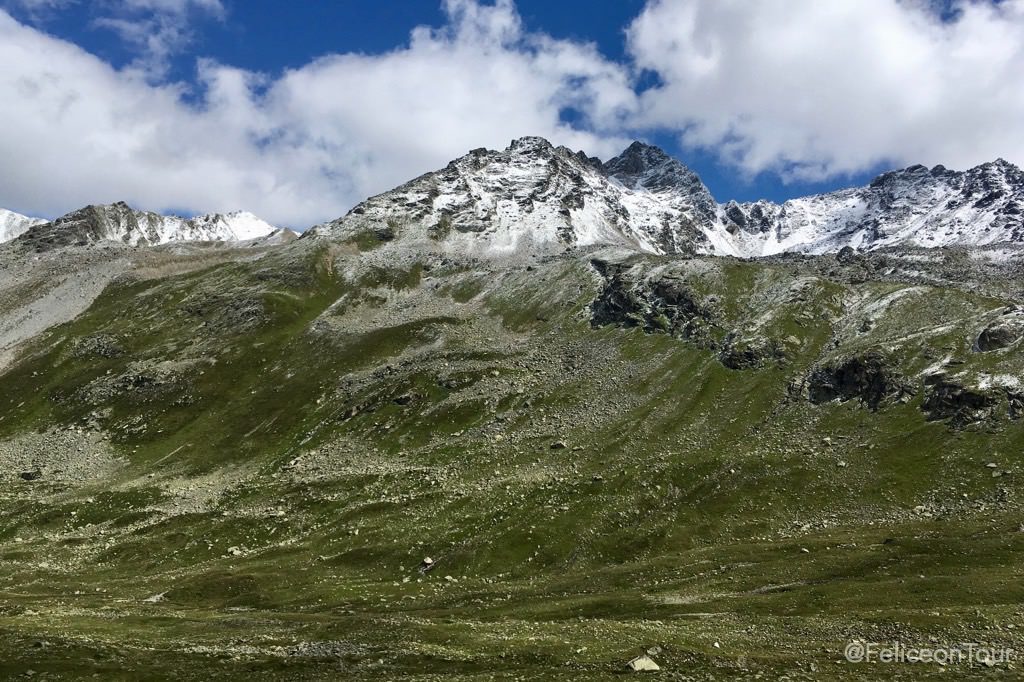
<point>535,196</point>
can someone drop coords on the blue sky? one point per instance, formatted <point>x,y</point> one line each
<point>298,110</point>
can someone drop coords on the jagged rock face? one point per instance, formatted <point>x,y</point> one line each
<point>14,224</point>
<point>533,195</point>
<point>122,224</point>
<point>962,405</point>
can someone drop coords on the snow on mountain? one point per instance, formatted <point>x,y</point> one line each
<point>914,206</point>
<point>534,195</point>
<point>14,224</point>
<point>235,226</point>
<point>120,223</point>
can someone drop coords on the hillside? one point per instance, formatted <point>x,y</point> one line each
<point>225,461</point>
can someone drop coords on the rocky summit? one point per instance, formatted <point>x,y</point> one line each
<point>529,416</point>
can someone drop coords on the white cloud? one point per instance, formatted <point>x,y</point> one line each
<point>814,89</point>
<point>299,149</point>
<point>156,29</point>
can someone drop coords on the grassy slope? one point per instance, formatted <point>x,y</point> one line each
<point>422,406</point>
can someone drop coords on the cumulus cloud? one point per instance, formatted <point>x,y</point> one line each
<point>815,89</point>
<point>303,147</point>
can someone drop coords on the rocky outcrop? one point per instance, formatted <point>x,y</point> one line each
<point>869,377</point>
<point>1002,332</point>
<point>666,305</point>
<point>140,382</point>
<point>741,353</point>
<point>962,405</point>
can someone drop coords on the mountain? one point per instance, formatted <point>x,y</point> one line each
<point>915,206</point>
<point>534,196</point>
<point>14,224</point>
<point>122,224</point>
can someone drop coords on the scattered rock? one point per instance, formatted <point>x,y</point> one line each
<point>642,664</point>
<point>97,345</point>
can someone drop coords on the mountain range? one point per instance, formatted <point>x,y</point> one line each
<point>119,223</point>
<point>534,195</point>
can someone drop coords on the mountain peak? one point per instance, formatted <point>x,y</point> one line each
<point>534,196</point>
<point>647,166</point>
<point>643,149</point>
<point>643,166</point>
<point>1001,167</point>
<point>529,145</point>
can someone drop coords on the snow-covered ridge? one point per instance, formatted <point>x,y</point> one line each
<point>914,206</point>
<point>14,224</point>
<point>122,224</point>
<point>534,195</point>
